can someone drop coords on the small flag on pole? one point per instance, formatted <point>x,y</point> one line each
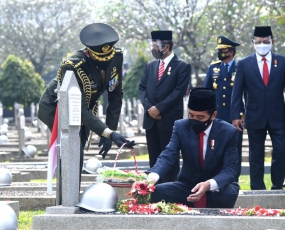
<point>52,153</point>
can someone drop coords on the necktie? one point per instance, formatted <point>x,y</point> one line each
<point>161,70</point>
<point>201,146</point>
<point>202,202</point>
<point>265,72</point>
<point>227,68</point>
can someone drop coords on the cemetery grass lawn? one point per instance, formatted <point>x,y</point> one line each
<point>26,218</point>
<point>42,180</point>
<point>244,182</point>
<point>140,157</point>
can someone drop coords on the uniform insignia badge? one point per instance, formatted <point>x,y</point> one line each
<point>212,143</point>
<point>233,76</point>
<point>94,86</point>
<point>168,72</point>
<point>105,49</point>
<point>219,40</point>
<point>113,83</point>
<point>215,85</point>
<point>275,63</point>
<point>216,70</point>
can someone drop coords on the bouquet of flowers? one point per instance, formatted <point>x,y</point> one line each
<point>140,191</point>
<point>139,204</point>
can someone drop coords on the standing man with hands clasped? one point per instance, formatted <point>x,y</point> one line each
<point>262,74</point>
<point>210,160</point>
<point>221,77</point>
<point>162,87</point>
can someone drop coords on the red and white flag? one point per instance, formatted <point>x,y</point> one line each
<point>52,153</point>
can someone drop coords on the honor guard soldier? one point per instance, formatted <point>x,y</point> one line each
<point>97,67</point>
<point>221,77</point>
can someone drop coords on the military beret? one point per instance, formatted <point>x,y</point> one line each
<point>224,42</point>
<point>161,35</point>
<point>202,99</point>
<point>262,31</point>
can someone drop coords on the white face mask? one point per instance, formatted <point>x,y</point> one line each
<point>263,49</point>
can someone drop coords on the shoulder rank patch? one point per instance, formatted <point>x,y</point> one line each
<point>216,62</point>
<point>118,51</point>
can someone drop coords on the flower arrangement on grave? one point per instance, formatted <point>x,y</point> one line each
<point>141,190</point>
<point>115,175</point>
<point>139,204</point>
<point>255,211</point>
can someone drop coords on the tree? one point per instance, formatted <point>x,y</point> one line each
<point>41,31</point>
<point>133,77</point>
<point>19,82</point>
<point>196,24</point>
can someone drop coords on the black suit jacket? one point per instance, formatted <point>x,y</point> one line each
<point>166,94</point>
<point>221,159</point>
<point>264,103</point>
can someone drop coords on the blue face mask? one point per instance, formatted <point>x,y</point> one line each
<point>200,126</point>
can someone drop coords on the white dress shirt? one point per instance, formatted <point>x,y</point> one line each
<point>260,62</point>
<point>167,60</point>
<point>213,184</point>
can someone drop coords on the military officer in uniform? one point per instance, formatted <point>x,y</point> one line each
<point>221,77</point>
<point>97,67</point>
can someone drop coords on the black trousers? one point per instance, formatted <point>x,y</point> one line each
<point>157,140</point>
<point>256,139</point>
<point>239,148</point>
<point>177,192</point>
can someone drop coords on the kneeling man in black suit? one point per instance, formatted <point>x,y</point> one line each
<point>210,160</point>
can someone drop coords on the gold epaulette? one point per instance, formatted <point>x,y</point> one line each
<point>70,63</point>
<point>216,62</point>
<point>118,50</point>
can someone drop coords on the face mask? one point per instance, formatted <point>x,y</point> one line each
<point>263,49</point>
<point>103,65</point>
<point>200,126</point>
<point>222,55</point>
<point>157,54</point>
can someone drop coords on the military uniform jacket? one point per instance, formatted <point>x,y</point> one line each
<point>166,94</point>
<point>222,81</point>
<point>92,82</point>
<point>264,103</point>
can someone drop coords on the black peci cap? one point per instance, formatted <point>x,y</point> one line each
<point>202,99</point>
<point>161,35</point>
<point>224,42</point>
<point>262,31</point>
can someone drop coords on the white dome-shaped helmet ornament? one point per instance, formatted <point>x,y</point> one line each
<point>129,133</point>
<point>6,121</point>
<point>92,165</point>
<point>5,126</point>
<point>3,139</point>
<point>99,197</point>
<point>134,123</point>
<point>30,151</point>
<point>3,130</point>
<point>28,135</point>
<point>5,177</point>
<point>8,218</point>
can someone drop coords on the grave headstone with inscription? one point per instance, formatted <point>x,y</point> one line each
<point>69,119</point>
